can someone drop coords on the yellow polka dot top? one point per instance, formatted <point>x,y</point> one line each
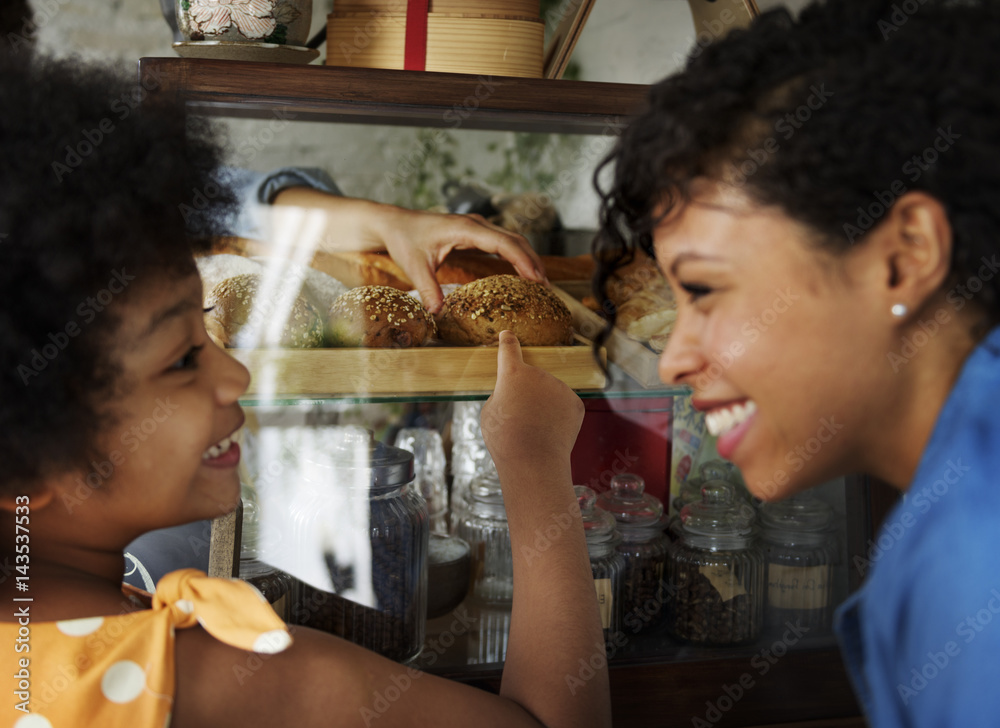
<point>119,670</point>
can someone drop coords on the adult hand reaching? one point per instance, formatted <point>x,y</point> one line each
<point>418,241</point>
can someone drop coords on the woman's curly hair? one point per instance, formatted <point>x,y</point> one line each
<point>95,188</point>
<point>826,117</point>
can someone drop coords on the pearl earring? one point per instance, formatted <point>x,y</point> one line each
<point>899,310</point>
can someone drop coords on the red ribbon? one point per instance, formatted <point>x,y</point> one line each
<point>415,54</point>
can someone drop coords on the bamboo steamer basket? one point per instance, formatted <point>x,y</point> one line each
<point>502,37</point>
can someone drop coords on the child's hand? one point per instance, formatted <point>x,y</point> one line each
<point>530,414</point>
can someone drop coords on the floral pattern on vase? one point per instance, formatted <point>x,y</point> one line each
<point>271,21</point>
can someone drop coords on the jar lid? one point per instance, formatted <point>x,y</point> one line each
<point>598,524</point>
<point>485,486</point>
<point>708,471</point>
<point>802,513</point>
<point>428,451</point>
<point>690,492</point>
<point>354,448</point>
<point>630,506</point>
<point>717,470</point>
<point>719,513</point>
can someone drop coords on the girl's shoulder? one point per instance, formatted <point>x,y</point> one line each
<point>119,669</point>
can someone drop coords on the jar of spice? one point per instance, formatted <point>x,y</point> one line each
<point>799,553</point>
<point>717,570</point>
<point>606,563</point>
<point>640,520</point>
<point>484,527</point>
<point>390,531</point>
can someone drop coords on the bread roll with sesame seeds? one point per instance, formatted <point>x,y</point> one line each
<point>240,317</point>
<point>378,317</point>
<point>476,313</point>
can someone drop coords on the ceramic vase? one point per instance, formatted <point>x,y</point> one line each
<point>285,22</point>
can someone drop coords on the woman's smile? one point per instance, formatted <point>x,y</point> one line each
<point>729,423</point>
<point>759,385</point>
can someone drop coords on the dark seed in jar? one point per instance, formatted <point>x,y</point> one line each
<point>393,627</point>
<point>643,591</point>
<point>699,613</point>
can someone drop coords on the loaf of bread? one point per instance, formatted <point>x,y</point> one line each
<point>645,308</point>
<point>378,317</point>
<point>242,317</point>
<point>318,288</point>
<point>476,313</point>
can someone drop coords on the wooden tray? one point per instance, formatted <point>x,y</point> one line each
<point>637,360</point>
<point>421,370</point>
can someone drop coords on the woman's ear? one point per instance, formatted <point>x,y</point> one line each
<point>915,242</point>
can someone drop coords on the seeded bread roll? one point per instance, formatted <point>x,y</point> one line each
<point>476,313</point>
<point>378,317</point>
<point>241,319</point>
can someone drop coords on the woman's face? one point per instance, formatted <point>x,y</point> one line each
<point>169,458</point>
<point>776,339</point>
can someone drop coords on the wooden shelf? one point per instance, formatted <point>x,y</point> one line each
<point>804,685</point>
<point>410,98</point>
<point>416,371</point>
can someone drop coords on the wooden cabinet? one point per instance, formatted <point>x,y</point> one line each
<point>654,682</point>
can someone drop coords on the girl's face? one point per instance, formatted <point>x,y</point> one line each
<point>169,458</point>
<point>776,339</point>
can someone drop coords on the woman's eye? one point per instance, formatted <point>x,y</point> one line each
<point>695,291</point>
<point>188,361</point>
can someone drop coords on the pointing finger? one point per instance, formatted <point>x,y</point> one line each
<point>509,352</point>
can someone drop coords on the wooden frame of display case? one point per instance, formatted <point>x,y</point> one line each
<point>807,687</point>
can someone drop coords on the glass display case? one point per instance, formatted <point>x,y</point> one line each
<point>789,676</point>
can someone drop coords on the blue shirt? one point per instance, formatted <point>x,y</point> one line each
<point>922,637</point>
<point>257,190</point>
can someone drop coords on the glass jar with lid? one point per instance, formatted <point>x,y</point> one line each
<point>429,471</point>
<point>717,571</point>
<point>484,527</point>
<point>359,516</point>
<point>640,521</point>
<point>799,552</point>
<point>275,585</point>
<point>606,564</point>
<point>469,457</point>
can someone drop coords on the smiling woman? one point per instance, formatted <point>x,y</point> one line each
<point>817,193</point>
<point>759,216</point>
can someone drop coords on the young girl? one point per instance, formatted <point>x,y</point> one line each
<point>118,417</point>
<point>822,196</point>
